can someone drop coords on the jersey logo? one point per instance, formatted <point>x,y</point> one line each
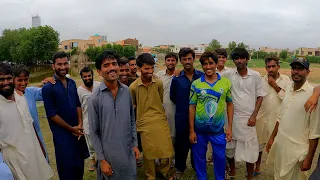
<point>211,108</point>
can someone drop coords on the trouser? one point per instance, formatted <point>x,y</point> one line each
<point>150,167</point>
<point>316,173</point>
<point>139,142</point>
<point>181,148</point>
<point>70,173</point>
<point>218,144</point>
<point>90,146</point>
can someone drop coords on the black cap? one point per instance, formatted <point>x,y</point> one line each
<point>301,60</point>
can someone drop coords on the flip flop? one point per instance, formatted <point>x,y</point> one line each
<point>256,173</point>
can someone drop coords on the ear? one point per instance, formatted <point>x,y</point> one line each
<point>53,66</point>
<point>99,71</point>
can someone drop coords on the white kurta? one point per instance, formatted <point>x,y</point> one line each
<point>296,127</point>
<point>18,141</point>
<point>245,91</point>
<point>270,107</point>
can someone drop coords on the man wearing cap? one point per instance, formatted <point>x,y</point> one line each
<point>247,95</point>
<point>295,137</point>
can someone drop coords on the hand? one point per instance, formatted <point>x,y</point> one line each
<point>312,103</point>
<point>272,82</point>
<point>229,134</point>
<point>177,72</point>
<point>193,137</point>
<point>136,152</point>
<point>106,168</point>
<point>19,92</point>
<point>252,121</point>
<point>269,144</point>
<point>77,131</point>
<point>50,80</point>
<point>306,165</point>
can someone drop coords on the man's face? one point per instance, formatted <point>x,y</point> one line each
<point>109,70</point>
<point>272,68</point>
<point>6,85</point>
<point>171,63</point>
<point>21,82</point>
<point>133,66</point>
<point>299,73</point>
<point>124,73</point>
<point>147,71</point>
<point>87,79</point>
<point>209,67</point>
<point>240,62</point>
<point>187,61</point>
<point>61,66</point>
<point>222,60</point>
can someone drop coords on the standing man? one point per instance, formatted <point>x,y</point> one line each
<point>112,123</point>
<point>179,95</point>
<point>133,69</point>
<point>247,95</point>
<point>208,97</point>
<point>152,124</point>
<point>19,143</point>
<point>171,60</point>
<point>84,91</point>
<point>64,113</point>
<point>124,76</point>
<point>222,59</point>
<point>294,139</point>
<point>274,84</point>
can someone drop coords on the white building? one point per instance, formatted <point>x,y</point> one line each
<point>36,21</point>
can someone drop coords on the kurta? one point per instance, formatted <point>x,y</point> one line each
<point>296,127</point>
<point>19,144</point>
<point>70,152</point>
<point>113,131</point>
<point>152,122</point>
<point>270,107</point>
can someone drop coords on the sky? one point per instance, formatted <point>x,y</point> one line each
<point>272,23</point>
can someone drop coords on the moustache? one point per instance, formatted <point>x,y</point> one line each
<point>112,71</point>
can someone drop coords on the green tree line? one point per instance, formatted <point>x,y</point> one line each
<point>28,46</point>
<point>123,51</point>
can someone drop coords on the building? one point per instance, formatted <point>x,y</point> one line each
<point>127,42</point>
<point>93,41</point>
<point>307,51</point>
<point>198,49</point>
<point>36,21</point>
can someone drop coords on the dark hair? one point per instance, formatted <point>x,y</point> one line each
<point>20,69</point>
<point>131,58</point>
<point>107,54</point>
<point>206,55</point>
<point>171,55</point>
<point>272,58</point>
<point>5,69</point>
<point>123,61</point>
<point>86,69</point>
<point>185,51</point>
<point>59,54</point>
<point>145,58</point>
<point>239,52</point>
<point>222,52</point>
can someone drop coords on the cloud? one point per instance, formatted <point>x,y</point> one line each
<point>281,24</point>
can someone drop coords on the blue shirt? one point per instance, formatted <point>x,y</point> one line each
<point>5,173</point>
<point>179,95</point>
<point>61,101</point>
<point>34,94</point>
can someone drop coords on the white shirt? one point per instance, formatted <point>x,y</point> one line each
<point>296,127</point>
<point>245,91</point>
<point>84,94</point>
<point>225,68</point>
<point>270,107</point>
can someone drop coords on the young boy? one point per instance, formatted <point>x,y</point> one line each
<point>208,97</point>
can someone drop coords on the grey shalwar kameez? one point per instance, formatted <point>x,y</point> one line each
<point>113,131</point>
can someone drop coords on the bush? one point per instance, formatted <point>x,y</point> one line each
<point>311,59</point>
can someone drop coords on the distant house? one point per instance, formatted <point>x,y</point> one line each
<point>307,51</point>
<point>93,41</point>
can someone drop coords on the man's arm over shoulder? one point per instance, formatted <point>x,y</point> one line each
<point>36,93</point>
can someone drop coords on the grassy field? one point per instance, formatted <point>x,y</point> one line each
<point>267,170</point>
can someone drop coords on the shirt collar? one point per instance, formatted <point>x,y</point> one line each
<point>2,98</point>
<point>57,79</point>
<point>265,77</point>
<point>249,73</point>
<point>103,86</point>
<point>304,87</point>
<point>141,83</point>
<point>196,72</point>
<point>204,80</point>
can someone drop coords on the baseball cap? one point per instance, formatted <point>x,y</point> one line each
<point>301,60</point>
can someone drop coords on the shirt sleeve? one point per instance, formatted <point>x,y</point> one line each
<point>314,126</point>
<point>94,127</point>
<point>193,95</point>
<point>173,90</point>
<point>260,92</point>
<point>133,125</point>
<point>37,93</point>
<point>48,100</point>
<point>78,104</point>
<point>133,94</point>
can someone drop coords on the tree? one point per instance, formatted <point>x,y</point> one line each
<point>128,51</point>
<point>242,45</point>
<point>118,49</point>
<point>92,53</point>
<point>283,54</point>
<point>231,46</point>
<point>213,45</point>
<point>259,55</point>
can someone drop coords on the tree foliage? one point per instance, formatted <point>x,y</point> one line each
<point>213,45</point>
<point>28,45</point>
<point>123,51</point>
<point>283,54</point>
<point>242,45</point>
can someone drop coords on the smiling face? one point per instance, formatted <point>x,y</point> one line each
<point>21,82</point>
<point>187,61</point>
<point>124,73</point>
<point>6,85</point>
<point>171,63</point>
<point>87,79</point>
<point>147,71</point>
<point>133,66</point>
<point>61,66</point>
<point>222,60</point>
<point>299,73</point>
<point>109,70</point>
<point>209,67</point>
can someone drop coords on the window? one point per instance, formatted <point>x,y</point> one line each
<point>195,48</point>
<point>66,47</point>
<point>297,51</point>
<point>302,52</point>
<point>309,53</point>
<point>75,44</point>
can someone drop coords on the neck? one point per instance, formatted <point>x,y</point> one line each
<point>212,78</point>
<point>145,80</point>
<point>11,97</point>
<point>61,78</point>
<point>125,82</point>
<point>133,74</point>
<point>243,71</point>
<point>276,76</point>
<point>112,85</point>
<point>88,88</point>
<point>189,71</point>
<point>220,67</point>
<point>170,71</point>
<point>298,85</point>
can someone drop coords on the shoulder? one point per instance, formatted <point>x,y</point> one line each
<point>225,80</point>
<point>158,81</point>
<point>199,73</point>
<point>72,81</point>
<point>284,77</point>
<point>196,82</point>
<point>160,73</point>
<point>254,73</point>
<point>133,85</point>
<point>48,86</point>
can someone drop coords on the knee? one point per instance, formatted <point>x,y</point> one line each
<point>230,153</point>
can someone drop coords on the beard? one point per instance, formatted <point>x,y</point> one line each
<point>58,73</point>
<point>88,83</point>
<point>8,92</point>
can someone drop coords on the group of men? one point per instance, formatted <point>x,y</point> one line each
<point>164,116</point>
